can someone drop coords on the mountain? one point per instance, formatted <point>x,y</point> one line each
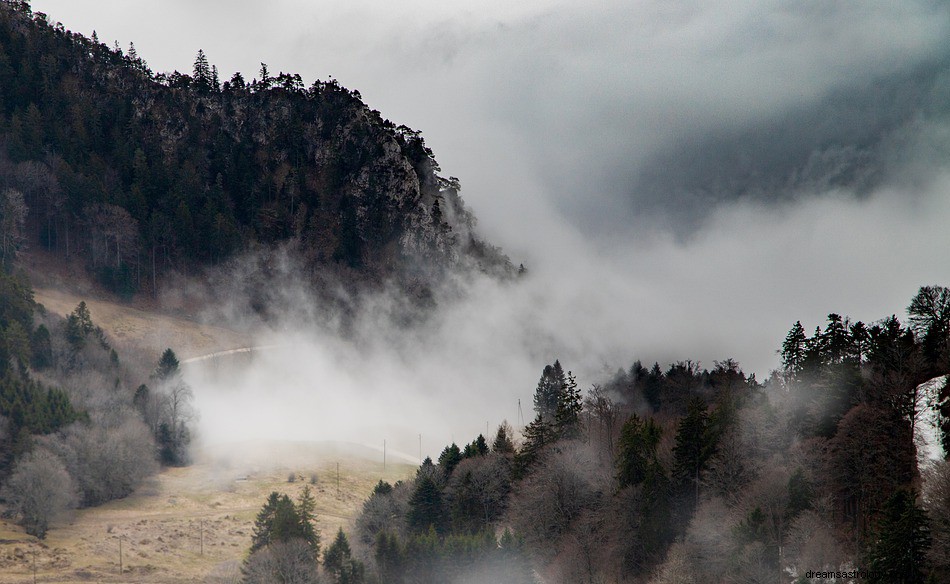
<point>137,174</point>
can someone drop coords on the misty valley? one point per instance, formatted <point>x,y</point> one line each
<point>250,331</point>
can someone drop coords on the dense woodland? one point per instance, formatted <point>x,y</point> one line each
<point>672,474</point>
<point>136,174</point>
<point>677,475</point>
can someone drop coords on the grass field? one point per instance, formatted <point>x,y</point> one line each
<point>186,524</point>
<point>194,524</point>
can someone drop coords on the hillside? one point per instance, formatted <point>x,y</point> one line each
<point>135,174</point>
<point>193,524</point>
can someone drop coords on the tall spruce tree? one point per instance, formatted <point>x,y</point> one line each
<point>898,552</point>
<point>569,406</point>
<point>548,393</point>
<point>693,447</point>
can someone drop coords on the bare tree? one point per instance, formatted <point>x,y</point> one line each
<point>565,483</point>
<point>603,412</point>
<point>677,569</point>
<point>39,490</point>
<point>108,458</point>
<point>113,234</point>
<point>289,562</point>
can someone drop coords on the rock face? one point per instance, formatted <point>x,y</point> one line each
<point>203,170</point>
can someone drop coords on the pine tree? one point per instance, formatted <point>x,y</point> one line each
<point>389,558</point>
<point>338,561</point>
<point>693,446</point>
<point>306,511</point>
<point>637,459</point>
<point>168,366</point>
<point>264,523</point>
<point>898,552</point>
<point>537,435</point>
<point>503,443</point>
<point>569,406</point>
<point>425,507</point>
<point>450,458</point>
<point>550,388</point>
<point>793,350</point>
<point>202,72</point>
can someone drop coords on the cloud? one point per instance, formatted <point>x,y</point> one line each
<point>683,180</point>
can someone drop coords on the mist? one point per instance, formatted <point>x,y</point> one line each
<point>682,182</point>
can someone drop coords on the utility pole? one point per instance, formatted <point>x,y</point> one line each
<point>338,480</point>
<point>201,537</point>
<point>384,454</point>
<point>120,554</point>
<point>34,566</point>
<point>420,448</point>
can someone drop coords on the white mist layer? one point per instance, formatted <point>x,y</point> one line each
<point>731,291</point>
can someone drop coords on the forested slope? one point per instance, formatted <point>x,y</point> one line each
<point>136,173</point>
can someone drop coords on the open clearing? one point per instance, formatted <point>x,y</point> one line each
<point>194,524</point>
<point>189,524</point>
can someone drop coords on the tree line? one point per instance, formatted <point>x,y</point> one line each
<point>687,474</point>
<point>76,427</point>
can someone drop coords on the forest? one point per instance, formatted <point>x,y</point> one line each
<point>137,174</point>
<point>662,474</point>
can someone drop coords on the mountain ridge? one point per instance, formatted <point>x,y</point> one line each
<point>140,174</point>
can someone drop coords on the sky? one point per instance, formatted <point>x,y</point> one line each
<point>684,180</point>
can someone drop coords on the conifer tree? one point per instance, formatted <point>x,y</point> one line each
<point>569,406</point>
<point>898,552</point>
<point>503,443</point>
<point>548,393</point>
<point>202,72</point>
<point>425,507</point>
<point>168,366</point>
<point>793,350</point>
<point>693,447</point>
<point>449,459</point>
<point>339,563</point>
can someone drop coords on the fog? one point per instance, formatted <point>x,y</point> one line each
<point>683,181</point>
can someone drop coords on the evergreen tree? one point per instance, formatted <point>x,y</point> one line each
<point>339,563</point>
<point>637,459</point>
<point>550,388</point>
<point>306,510</point>
<point>693,447</point>
<point>450,458</point>
<point>79,326</point>
<point>264,523</point>
<point>425,507</point>
<point>793,350</point>
<point>537,435</point>
<point>503,444</point>
<point>898,552</point>
<point>202,72</point>
<point>390,559</point>
<point>569,406</point>
<point>279,520</point>
<point>167,366</point>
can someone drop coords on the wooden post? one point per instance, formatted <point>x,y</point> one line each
<point>201,538</point>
